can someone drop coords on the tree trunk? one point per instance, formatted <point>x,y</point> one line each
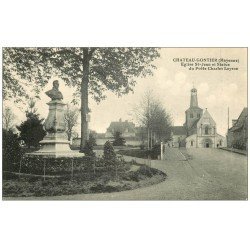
<point>84,99</point>
<point>69,135</point>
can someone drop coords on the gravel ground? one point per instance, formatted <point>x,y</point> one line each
<point>208,174</point>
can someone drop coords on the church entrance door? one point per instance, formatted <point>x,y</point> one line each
<point>207,143</point>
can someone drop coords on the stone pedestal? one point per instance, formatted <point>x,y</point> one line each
<point>55,121</point>
<point>55,143</point>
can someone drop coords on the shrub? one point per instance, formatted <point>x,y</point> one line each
<point>108,152</point>
<point>31,130</point>
<point>88,149</point>
<point>155,151</point>
<point>12,152</point>
<point>92,140</point>
<point>119,140</point>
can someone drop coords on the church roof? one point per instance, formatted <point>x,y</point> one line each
<point>179,130</point>
<point>193,108</point>
<point>194,125</point>
<point>206,115</point>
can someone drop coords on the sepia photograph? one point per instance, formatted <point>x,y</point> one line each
<point>124,123</point>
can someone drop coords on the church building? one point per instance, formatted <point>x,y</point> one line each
<point>199,129</point>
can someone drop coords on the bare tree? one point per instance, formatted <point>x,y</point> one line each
<point>151,115</point>
<point>8,118</point>
<point>71,119</point>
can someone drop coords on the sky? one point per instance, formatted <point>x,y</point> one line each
<point>171,84</point>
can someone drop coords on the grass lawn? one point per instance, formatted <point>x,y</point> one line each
<point>109,181</point>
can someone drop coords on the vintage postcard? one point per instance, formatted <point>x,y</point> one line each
<point>124,123</point>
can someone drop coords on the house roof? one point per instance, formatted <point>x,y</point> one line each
<point>178,130</point>
<point>121,126</point>
<point>240,121</point>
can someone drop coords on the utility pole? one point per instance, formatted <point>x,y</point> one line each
<point>148,137</point>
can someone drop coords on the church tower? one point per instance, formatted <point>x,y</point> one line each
<point>193,100</point>
<point>193,114</point>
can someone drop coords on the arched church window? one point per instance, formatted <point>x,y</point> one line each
<point>192,143</point>
<point>206,130</point>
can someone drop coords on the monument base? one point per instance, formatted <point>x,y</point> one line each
<point>55,146</point>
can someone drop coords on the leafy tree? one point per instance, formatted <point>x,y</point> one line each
<point>71,119</point>
<point>31,130</point>
<point>8,118</point>
<point>91,70</point>
<point>119,140</point>
<point>24,68</point>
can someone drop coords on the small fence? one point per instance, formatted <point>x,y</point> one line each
<point>42,167</point>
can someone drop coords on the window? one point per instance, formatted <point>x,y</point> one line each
<point>220,142</point>
<point>192,143</point>
<point>191,115</point>
<point>206,130</point>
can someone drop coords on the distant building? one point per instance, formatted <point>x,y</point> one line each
<point>132,134</point>
<point>128,131</point>
<point>199,129</point>
<point>178,135</point>
<point>126,128</point>
<point>237,134</point>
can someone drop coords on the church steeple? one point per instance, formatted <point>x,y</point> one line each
<point>194,99</point>
<point>193,113</point>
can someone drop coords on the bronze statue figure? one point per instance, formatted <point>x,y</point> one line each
<point>54,93</point>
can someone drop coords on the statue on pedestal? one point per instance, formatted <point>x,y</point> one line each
<point>55,143</point>
<point>54,93</point>
<point>55,120</point>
